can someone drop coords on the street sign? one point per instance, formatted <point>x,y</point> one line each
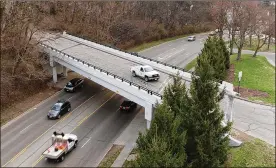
<point>240,75</point>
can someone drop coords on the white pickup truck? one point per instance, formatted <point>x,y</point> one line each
<point>146,72</point>
<point>61,145</point>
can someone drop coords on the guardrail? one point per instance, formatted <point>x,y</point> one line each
<point>131,53</point>
<point>102,70</point>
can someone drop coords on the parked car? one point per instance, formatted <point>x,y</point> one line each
<point>128,106</point>
<point>74,84</point>
<point>146,72</point>
<point>60,108</point>
<point>212,33</point>
<point>191,38</point>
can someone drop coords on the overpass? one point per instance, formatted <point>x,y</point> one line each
<point>110,68</point>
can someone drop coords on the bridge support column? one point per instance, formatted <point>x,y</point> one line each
<point>53,65</point>
<point>64,68</point>
<point>148,114</point>
<point>55,74</point>
<point>229,112</point>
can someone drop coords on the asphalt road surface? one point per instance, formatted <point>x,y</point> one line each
<point>254,119</point>
<point>94,118</point>
<point>106,61</point>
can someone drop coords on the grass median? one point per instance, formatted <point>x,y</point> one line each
<point>111,156</point>
<point>257,74</point>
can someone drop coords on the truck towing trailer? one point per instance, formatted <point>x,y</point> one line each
<point>61,145</point>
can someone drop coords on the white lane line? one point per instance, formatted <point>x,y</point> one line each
<point>25,128</point>
<point>164,84</point>
<point>86,142</point>
<point>29,110</point>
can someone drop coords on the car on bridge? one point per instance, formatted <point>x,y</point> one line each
<point>191,38</point>
<point>60,108</point>
<point>128,105</point>
<point>74,84</point>
<point>146,72</point>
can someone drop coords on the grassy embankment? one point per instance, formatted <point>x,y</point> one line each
<point>258,74</point>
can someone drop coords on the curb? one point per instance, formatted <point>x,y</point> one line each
<point>29,110</point>
<point>251,101</point>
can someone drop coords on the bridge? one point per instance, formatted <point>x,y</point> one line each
<point>110,67</point>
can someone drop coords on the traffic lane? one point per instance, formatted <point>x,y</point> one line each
<point>73,120</point>
<point>103,138</point>
<point>113,64</point>
<point>25,121</point>
<point>255,120</point>
<point>181,59</point>
<point>170,46</point>
<point>95,134</point>
<point>11,147</point>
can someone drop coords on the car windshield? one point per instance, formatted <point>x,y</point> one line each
<point>56,107</point>
<point>148,69</point>
<point>69,84</point>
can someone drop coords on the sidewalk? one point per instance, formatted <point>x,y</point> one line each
<point>129,136</point>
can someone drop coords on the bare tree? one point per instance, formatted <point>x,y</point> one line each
<point>261,24</point>
<point>219,14</point>
<point>241,16</point>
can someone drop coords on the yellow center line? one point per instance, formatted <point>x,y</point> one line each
<point>40,158</point>
<point>23,150</point>
<point>79,123</point>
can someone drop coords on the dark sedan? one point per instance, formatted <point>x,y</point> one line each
<point>60,108</point>
<point>128,106</point>
<point>74,84</point>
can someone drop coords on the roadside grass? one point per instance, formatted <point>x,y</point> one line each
<point>254,44</point>
<point>127,163</point>
<point>257,74</point>
<point>254,153</point>
<point>111,156</point>
<point>190,65</point>
<point>155,43</point>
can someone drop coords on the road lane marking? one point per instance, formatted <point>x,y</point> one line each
<point>85,118</point>
<point>164,84</point>
<point>25,128</point>
<point>23,150</point>
<point>80,124</point>
<point>29,110</point>
<point>86,142</point>
<point>38,160</point>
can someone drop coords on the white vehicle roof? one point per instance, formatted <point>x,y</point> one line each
<point>147,66</point>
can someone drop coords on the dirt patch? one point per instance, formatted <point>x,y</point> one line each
<point>246,93</point>
<point>230,74</point>
<point>111,156</point>
<point>240,135</point>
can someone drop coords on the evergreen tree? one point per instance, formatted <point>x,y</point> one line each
<point>225,53</point>
<point>206,145</point>
<point>214,53</point>
<point>163,145</point>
